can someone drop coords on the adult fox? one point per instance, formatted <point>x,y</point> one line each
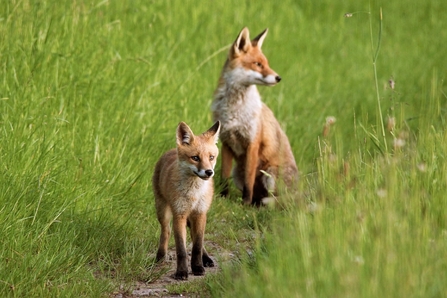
<point>183,189</point>
<point>250,133</point>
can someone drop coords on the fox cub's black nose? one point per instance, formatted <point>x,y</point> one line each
<point>278,78</point>
<point>209,173</point>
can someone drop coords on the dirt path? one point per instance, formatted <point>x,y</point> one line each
<point>159,288</point>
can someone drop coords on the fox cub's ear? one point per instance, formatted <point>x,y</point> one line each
<point>213,132</point>
<point>242,43</point>
<point>258,40</point>
<point>185,135</point>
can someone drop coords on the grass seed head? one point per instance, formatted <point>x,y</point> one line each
<point>422,167</point>
<point>398,143</point>
<point>391,123</point>
<point>330,120</point>
<point>381,193</point>
<point>391,83</point>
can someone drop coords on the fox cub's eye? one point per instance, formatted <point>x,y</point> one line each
<point>258,64</point>
<point>211,157</point>
<point>195,158</point>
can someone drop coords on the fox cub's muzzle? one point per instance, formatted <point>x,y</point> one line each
<point>205,174</point>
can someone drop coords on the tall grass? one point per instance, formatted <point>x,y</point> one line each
<point>91,93</point>
<point>372,227</point>
<point>374,224</point>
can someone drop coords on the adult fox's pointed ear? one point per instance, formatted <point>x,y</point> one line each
<point>258,40</point>
<point>213,132</point>
<point>242,43</point>
<point>185,135</point>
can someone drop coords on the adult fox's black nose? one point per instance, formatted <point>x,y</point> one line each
<point>278,78</point>
<point>209,173</point>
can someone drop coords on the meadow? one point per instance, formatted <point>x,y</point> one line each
<point>91,93</point>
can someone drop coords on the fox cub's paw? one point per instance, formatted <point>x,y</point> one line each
<point>181,275</point>
<point>198,270</point>
<point>207,261</point>
<point>161,256</point>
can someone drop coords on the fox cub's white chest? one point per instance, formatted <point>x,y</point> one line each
<point>194,196</point>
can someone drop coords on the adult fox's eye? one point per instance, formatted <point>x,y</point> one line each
<point>258,64</point>
<point>195,158</point>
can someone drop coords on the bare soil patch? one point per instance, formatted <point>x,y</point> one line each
<point>159,288</point>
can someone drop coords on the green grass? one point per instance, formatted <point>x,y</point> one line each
<point>91,93</point>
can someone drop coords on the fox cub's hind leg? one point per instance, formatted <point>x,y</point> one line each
<point>164,220</point>
<point>206,260</point>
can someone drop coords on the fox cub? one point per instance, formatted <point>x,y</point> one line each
<point>250,133</point>
<point>183,189</point>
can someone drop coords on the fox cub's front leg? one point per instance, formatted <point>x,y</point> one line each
<point>198,254</point>
<point>180,247</point>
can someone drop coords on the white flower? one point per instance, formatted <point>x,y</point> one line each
<point>330,120</point>
<point>381,193</point>
<point>392,83</point>
<point>391,123</point>
<point>399,143</point>
<point>422,167</point>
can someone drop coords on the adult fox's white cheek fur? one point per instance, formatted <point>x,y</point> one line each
<point>267,80</point>
<point>272,79</point>
<point>248,77</point>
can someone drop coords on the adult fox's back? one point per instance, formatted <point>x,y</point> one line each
<point>250,133</point>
